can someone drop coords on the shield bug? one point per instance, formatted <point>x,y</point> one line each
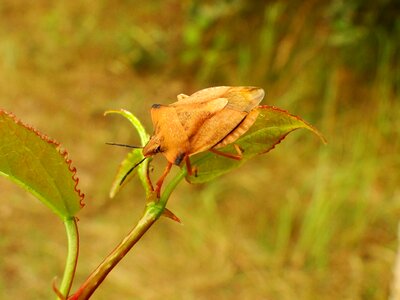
<point>204,121</point>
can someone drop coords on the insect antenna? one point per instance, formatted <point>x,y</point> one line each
<point>124,145</point>
<point>130,171</point>
<point>133,168</point>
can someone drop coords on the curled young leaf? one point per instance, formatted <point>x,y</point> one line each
<point>134,161</point>
<point>144,136</point>
<point>127,169</point>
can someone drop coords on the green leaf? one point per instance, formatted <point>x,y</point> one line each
<point>271,127</point>
<point>133,158</point>
<point>39,165</point>
<point>125,171</point>
<point>144,136</point>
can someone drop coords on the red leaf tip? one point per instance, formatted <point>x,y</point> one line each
<point>308,125</point>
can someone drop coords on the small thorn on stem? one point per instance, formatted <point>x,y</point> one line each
<point>169,214</point>
<point>57,291</point>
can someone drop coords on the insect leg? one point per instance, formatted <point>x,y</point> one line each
<point>188,165</point>
<point>237,156</point>
<point>238,150</point>
<point>161,180</point>
<point>148,179</point>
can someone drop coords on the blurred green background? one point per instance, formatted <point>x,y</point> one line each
<point>306,221</point>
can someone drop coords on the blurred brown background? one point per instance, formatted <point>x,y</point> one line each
<point>305,221</point>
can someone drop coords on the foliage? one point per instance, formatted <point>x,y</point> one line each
<point>332,222</point>
<point>270,128</point>
<point>39,165</point>
<point>26,158</point>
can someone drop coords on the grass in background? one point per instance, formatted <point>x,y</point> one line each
<point>304,222</point>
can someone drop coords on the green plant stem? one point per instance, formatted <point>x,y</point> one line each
<point>97,277</point>
<point>152,213</point>
<point>171,186</point>
<point>72,256</point>
<point>142,172</point>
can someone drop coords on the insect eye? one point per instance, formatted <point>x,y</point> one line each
<point>158,149</point>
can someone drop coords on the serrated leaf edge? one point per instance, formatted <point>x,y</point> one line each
<point>62,151</point>
<point>308,125</point>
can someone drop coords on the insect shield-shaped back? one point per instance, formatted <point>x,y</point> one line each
<point>210,118</point>
<point>169,135</point>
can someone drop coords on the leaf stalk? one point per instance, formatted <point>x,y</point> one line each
<point>72,256</point>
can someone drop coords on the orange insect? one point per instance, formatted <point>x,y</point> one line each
<point>207,120</point>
